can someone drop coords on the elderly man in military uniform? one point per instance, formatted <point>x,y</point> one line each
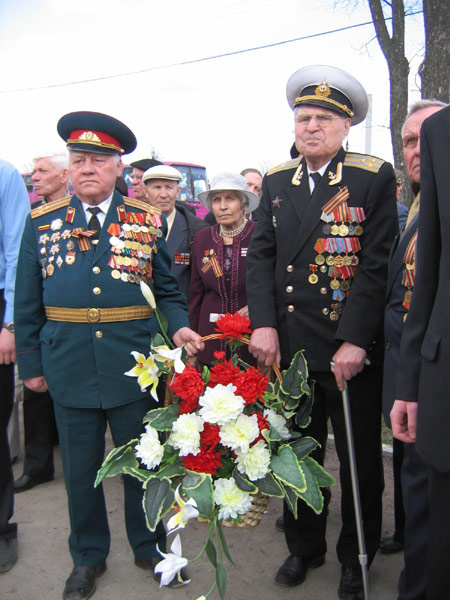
<point>317,268</point>
<point>79,313</point>
<point>139,168</point>
<point>163,189</point>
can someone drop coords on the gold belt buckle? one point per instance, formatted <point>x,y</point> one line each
<point>93,315</point>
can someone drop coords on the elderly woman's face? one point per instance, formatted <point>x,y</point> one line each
<point>227,208</point>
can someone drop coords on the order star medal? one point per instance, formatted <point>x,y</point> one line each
<point>56,224</point>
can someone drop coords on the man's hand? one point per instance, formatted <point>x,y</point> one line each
<point>264,346</point>
<point>7,347</point>
<point>404,421</point>
<point>243,311</point>
<point>348,362</point>
<point>192,341</point>
<point>36,384</point>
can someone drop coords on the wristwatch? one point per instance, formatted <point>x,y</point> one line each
<point>9,326</point>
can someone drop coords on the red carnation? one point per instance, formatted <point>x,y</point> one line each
<point>219,354</point>
<point>188,386</point>
<point>263,423</point>
<point>209,437</point>
<point>204,462</point>
<point>232,327</point>
<point>251,385</point>
<point>224,373</point>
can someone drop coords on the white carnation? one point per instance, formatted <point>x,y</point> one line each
<point>220,405</point>
<point>239,434</point>
<point>150,450</point>
<point>231,500</point>
<point>185,434</point>
<point>254,463</point>
<point>277,422</point>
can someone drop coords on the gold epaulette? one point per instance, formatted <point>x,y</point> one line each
<point>363,161</point>
<point>290,164</point>
<point>141,205</point>
<point>50,207</point>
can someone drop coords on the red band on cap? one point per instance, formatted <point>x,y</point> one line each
<point>97,138</point>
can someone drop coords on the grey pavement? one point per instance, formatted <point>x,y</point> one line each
<point>44,562</point>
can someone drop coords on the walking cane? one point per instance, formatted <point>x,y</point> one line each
<point>355,487</point>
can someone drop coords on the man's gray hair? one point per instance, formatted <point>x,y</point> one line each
<point>421,104</point>
<point>60,160</point>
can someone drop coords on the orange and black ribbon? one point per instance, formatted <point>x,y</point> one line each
<point>83,238</point>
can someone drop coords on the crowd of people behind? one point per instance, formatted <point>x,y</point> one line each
<point>319,254</point>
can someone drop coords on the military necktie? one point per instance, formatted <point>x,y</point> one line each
<point>316,177</point>
<point>94,223</point>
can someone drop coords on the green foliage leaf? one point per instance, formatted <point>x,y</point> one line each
<point>269,486</point>
<point>192,480</point>
<point>141,474</point>
<point>243,483</point>
<point>117,460</point>
<point>176,469</point>
<point>157,495</point>
<point>223,542</point>
<point>158,340</point>
<point>303,415</point>
<point>295,379</point>
<point>312,495</point>
<point>221,578</point>
<point>303,446</point>
<point>210,550</point>
<point>203,495</point>
<point>291,499</point>
<point>162,418</point>
<point>286,467</point>
<point>323,478</point>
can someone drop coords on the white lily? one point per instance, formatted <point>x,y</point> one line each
<point>146,372</point>
<point>188,510</point>
<point>148,294</point>
<point>172,564</point>
<point>173,357</point>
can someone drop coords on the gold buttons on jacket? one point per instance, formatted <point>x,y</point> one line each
<point>97,291</point>
<point>96,270</point>
<point>99,334</point>
<point>289,289</point>
<point>290,308</point>
<point>289,268</point>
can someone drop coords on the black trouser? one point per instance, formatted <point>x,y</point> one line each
<point>306,535</point>
<point>439,536</point>
<point>7,530</point>
<point>40,433</point>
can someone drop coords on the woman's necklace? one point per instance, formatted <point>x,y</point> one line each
<point>232,232</point>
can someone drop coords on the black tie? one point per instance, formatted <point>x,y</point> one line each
<point>94,223</point>
<point>316,177</point>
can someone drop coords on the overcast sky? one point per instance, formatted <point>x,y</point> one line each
<point>226,113</point>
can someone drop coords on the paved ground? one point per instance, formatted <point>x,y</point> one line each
<point>44,562</point>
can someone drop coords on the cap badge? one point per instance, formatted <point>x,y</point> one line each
<point>323,89</point>
<point>89,136</point>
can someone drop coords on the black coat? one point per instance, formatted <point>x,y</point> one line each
<point>394,315</point>
<point>425,350</point>
<point>282,257</point>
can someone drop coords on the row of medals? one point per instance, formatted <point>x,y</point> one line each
<point>131,256</point>
<point>54,239</point>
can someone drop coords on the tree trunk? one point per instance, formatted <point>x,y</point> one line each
<point>435,69</point>
<point>393,49</point>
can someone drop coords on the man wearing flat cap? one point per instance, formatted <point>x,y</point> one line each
<point>79,313</point>
<point>163,189</point>
<point>317,269</point>
<point>139,168</point>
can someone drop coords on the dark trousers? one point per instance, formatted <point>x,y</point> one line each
<point>40,432</point>
<point>399,511</point>
<point>412,584</point>
<point>82,442</point>
<point>7,530</point>
<point>306,536</point>
<point>439,536</point>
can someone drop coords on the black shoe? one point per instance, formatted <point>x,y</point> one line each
<point>389,545</point>
<point>81,582</point>
<point>26,482</point>
<point>293,570</point>
<point>279,524</point>
<point>8,554</point>
<point>351,585</point>
<point>149,564</point>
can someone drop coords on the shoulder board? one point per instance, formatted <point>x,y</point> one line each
<point>290,164</point>
<point>50,207</point>
<point>141,205</point>
<point>363,161</point>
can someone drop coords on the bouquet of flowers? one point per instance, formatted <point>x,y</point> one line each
<point>226,437</point>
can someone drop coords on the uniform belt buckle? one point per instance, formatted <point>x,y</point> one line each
<point>93,315</point>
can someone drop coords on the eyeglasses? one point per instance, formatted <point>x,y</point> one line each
<point>322,120</point>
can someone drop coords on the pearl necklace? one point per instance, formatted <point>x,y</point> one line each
<point>233,232</point>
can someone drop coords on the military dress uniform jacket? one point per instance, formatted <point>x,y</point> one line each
<point>179,243</point>
<point>293,280</point>
<point>84,362</point>
<point>398,296</point>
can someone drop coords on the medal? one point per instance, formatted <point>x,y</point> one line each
<point>358,230</point>
<point>334,316</point>
<point>320,259</point>
<point>70,258</point>
<point>334,229</point>
<point>326,229</point>
<point>334,284</point>
<point>339,261</point>
<point>313,278</point>
<point>115,274</point>
<point>50,269</point>
<point>323,290</point>
<point>330,260</point>
<point>124,277</point>
<point>343,230</point>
